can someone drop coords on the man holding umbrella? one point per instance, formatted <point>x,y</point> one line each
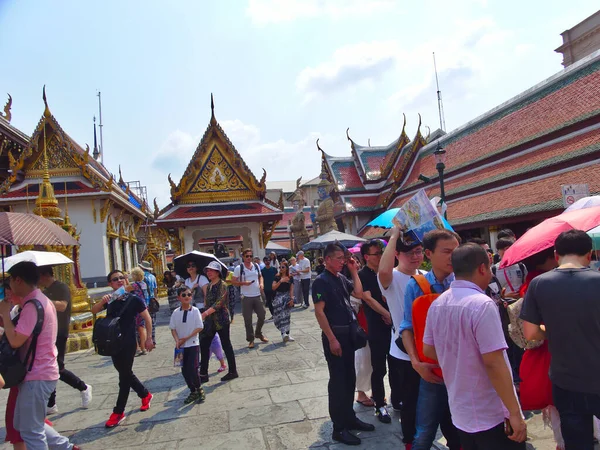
<point>60,294</point>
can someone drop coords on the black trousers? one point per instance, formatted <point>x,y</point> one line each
<point>379,342</point>
<point>269,296</point>
<point>405,394</point>
<point>123,362</point>
<point>206,340</point>
<point>577,411</point>
<point>65,376</point>
<point>492,439</point>
<point>342,383</point>
<point>189,370</point>
<point>305,284</point>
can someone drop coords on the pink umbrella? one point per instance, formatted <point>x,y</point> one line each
<point>542,236</point>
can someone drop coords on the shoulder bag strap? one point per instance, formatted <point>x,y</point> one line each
<point>423,283</point>
<point>36,332</point>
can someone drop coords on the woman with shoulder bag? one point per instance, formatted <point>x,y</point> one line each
<point>197,283</point>
<point>216,321</point>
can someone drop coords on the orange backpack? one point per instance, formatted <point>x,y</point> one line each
<point>419,315</point>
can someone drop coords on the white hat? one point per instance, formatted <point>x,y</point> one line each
<point>214,265</point>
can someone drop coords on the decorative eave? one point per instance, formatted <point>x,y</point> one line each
<point>393,158</point>
<point>180,192</point>
<point>402,170</point>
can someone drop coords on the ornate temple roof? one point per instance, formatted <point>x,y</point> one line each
<point>66,159</point>
<point>511,162</point>
<point>217,174</point>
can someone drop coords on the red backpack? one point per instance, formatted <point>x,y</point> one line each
<point>419,315</point>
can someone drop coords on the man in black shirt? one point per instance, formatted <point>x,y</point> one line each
<point>379,321</point>
<point>331,296</point>
<point>562,306</point>
<point>60,294</point>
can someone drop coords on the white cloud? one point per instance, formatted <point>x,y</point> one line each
<point>263,12</point>
<point>349,66</point>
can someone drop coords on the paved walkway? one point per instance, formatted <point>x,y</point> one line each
<point>279,401</point>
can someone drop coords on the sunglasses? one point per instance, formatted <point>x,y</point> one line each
<point>114,280</point>
<point>185,295</point>
<point>248,256</point>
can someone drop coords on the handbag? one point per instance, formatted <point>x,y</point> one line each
<point>154,306</point>
<point>358,336</point>
<point>12,368</point>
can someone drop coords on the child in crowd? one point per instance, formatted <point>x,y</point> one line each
<point>186,323</point>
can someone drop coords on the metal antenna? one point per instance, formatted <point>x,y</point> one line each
<point>439,97</point>
<point>99,94</point>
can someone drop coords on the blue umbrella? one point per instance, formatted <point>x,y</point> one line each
<point>384,220</point>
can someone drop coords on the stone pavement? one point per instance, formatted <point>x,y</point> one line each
<point>279,401</point>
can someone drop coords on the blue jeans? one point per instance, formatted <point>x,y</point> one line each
<point>577,411</point>
<point>433,411</point>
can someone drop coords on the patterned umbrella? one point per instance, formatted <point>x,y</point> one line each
<point>30,229</point>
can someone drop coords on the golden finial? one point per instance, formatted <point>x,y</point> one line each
<point>67,223</point>
<point>121,182</point>
<point>46,110</point>
<point>212,107</point>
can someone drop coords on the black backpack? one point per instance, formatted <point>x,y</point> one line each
<point>107,335</point>
<point>12,369</point>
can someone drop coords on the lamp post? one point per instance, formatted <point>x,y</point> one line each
<point>440,159</point>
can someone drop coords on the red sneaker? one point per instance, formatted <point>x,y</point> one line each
<point>114,420</point>
<point>146,402</point>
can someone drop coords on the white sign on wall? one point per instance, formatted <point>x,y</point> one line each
<point>573,192</point>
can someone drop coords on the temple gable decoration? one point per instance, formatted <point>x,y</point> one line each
<point>217,172</point>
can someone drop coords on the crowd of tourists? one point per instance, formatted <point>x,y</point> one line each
<point>468,346</point>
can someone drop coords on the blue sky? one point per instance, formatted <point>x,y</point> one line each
<point>283,73</point>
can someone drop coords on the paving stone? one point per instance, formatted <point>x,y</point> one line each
<point>314,374</point>
<point>264,416</point>
<point>259,382</point>
<point>246,439</point>
<point>369,441</point>
<point>316,407</point>
<point>288,393</point>
<point>306,434</point>
<point>123,436</point>
<point>240,399</point>
<point>261,368</point>
<point>198,427</point>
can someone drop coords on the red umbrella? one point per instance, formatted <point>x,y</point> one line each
<point>542,236</point>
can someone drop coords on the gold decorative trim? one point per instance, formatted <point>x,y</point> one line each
<point>104,209</point>
<point>110,228</point>
<point>94,212</point>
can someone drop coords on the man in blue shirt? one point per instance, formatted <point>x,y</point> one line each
<point>150,281</point>
<point>432,405</point>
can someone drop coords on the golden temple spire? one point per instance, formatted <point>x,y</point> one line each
<point>46,204</point>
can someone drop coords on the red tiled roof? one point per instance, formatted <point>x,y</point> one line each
<point>362,202</point>
<point>538,158</point>
<point>222,211</point>
<point>529,193</point>
<point>550,112</point>
<point>73,187</point>
<point>348,176</point>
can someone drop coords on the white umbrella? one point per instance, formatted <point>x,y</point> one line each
<point>38,258</point>
<point>277,248</point>
<point>585,202</point>
<point>345,239</point>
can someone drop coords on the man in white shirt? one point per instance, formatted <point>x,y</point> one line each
<point>248,277</point>
<point>305,275</point>
<point>404,380</point>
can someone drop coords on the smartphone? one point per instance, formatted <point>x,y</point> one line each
<point>508,429</point>
<point>252,281</point>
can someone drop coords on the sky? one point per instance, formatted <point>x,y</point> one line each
<point>283,72</point>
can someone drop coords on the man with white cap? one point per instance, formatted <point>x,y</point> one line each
<point>305,274</point>
<point>150,281</point>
